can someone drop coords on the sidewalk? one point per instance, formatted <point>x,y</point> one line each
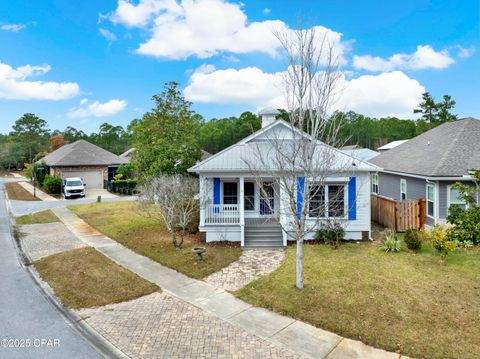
<point>39,193</point>
<point>282,331</point>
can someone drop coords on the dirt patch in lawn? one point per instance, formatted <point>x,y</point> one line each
<point>18,193</point>
<point>46,216</point>
<point>122,222</point>
<point>392,301</point>
<point>84,278</point>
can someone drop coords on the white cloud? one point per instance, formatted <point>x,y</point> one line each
<point>266,11</point>
<point>465,52</point>
<point>13,84</point>
<point>386,94</point>
<point>97,109</point>
<point>107,34</point>
<point>13,27</point>
<point>140,15</point>
<point>425,57</point>
<point>204,28</point>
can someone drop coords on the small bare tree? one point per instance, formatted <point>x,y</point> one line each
<point>171,201</point>
<point>298,164</point>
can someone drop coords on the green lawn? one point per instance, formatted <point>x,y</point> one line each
<point>84,278</point>
<point>122,222</point>
<point>382,299</point>
<point>46,216</point>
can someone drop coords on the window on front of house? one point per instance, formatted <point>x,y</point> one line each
<point>317,201</point>
<point>430,200</point>
<point>454,198</point>
<point>403,189</point>
<point>327,201</point>
<point>230,193</point>
<point>249,189</point>
<point>336,201</point>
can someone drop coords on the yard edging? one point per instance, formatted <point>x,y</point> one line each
<point>305,339</point>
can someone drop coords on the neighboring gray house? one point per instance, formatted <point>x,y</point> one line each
<point>426,167</point>
<point>85,160</point>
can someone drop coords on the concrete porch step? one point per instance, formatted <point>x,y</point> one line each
<point>263,244</point>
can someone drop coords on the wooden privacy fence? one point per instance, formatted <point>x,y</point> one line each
<point>398,215</point>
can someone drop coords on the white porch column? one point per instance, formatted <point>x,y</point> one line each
<point>202,198</point>
<point>242,211</point>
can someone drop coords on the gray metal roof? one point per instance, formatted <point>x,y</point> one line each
<point>450,149</point>
<point>242,155</point>
<point>82,153</point>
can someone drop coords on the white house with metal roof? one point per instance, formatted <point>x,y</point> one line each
<point>234,208</point>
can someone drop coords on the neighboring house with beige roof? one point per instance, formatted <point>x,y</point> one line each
<point>426,167</point>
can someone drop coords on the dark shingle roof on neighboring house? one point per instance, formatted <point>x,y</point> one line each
<point>82,153</point>
<point>450,149</point>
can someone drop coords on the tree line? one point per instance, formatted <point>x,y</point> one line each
<point>170,137</point>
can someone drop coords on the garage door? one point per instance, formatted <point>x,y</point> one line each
<point>93,179</point>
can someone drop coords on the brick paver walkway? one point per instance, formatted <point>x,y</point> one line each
<point>252,264</point>
<point>41,240</point>
<point>162,326</point>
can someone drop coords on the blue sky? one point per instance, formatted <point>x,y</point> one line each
<point>82,63</point>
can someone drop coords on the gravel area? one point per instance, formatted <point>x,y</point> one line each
<point>41,240</point>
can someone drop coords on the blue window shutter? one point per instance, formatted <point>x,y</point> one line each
<point>300,192</point>
<point>352,198</point>
<point>216,190</point>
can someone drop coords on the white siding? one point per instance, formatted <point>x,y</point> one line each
<point>353,228</point>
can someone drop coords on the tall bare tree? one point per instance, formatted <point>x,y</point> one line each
<point>299,163</point>
<point>171,201</point>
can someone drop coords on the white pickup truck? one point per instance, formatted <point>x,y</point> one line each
<point>73,187</point>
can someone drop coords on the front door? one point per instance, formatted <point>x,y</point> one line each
<point>267,199</point>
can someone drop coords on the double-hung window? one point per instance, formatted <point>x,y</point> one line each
<point>336,201</point>
<point>249,193</point>
<point>230,193</point>
<point>431,200</point>
<point>403,189</point>
<point>317,201</point>
<point>375,183</point>
<point>454,198</point>
<point>327,201</point>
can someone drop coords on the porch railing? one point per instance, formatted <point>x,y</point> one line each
<point>222,214</point>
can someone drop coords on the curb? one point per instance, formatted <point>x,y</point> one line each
<point>78,325</point>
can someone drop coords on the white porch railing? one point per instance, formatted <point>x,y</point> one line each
<point>222,214</point>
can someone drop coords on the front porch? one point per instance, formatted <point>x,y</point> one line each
<point>241,209</point>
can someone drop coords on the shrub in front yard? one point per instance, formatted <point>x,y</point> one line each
<point>466,224</point>
<point>52,184</point>
<point>413,240</point>
<point>390,242</point>
<point>331,233</point>
<point>439,239</point>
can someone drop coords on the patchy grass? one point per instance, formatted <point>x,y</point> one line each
<point>17,192</point>
<point>122,222</point>
<point>84,278</point>
<point>39,217</point>
<point>388,300</point>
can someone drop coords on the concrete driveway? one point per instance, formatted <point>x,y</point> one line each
<point>30,326</point>
<point>94,193</point>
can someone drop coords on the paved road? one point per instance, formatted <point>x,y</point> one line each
<point>25,312</point>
